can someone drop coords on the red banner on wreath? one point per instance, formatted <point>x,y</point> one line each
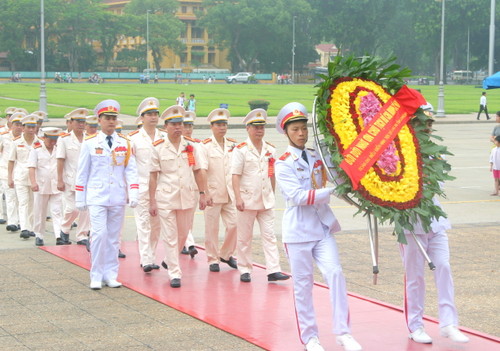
<point>360,156</point>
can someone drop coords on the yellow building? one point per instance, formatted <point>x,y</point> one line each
<point>198,53</point>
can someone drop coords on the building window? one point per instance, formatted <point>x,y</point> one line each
<point>183,9</point>
<point>211,58</point>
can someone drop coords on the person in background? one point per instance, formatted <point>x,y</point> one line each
<point>435,244</point>
<point>42,164</point>
<point>91,125</point>
<point>483,106</point>
<point>191,103</point>
<point>495,166</point>
<point>496,129</point>
<point>308,228</point>
<point>181,100</point>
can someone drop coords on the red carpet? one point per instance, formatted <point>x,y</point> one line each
<point>263,313</point>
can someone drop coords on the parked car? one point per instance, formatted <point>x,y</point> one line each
<point>242,77</point>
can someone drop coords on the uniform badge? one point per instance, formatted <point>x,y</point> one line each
<point>98,150</point>
<point>300,169</point>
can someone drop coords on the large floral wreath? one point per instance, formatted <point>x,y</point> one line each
<point>398,188</point>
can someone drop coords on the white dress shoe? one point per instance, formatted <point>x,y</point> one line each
<point>314,345</point>
<point>95,285</point>
<point>348,342</point>
<point>113,283</point>
<point>454,334</point>
<point>420,336</point>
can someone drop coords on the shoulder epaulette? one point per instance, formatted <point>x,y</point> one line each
<point>122,136</point>
<point>17,137</point>
<point>206,141</point>
<point>64,135</point>
<point>190,139</point>
<point>232,140</point>
<point>90,136</point>
<point>158,142</point>
<point>241,145</point>
<point>37,145</point>
<point>133,133</point>
<point>5,132</point>
<point>268,143</point>
<point>284,156</point>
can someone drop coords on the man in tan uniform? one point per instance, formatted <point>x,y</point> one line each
<point>252,170</point>
<point>217,151</point>
<point>18,173</point>
<point>67,154</point>
<point>175,173</point>
<point>148,227</point>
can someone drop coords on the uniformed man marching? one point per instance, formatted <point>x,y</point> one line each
<point>252,170</point>
<point>217,151</point>
<point>308,225</point>
<point>106,174</point>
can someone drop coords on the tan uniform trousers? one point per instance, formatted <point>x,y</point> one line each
<point>190,239</point>
<point>25,200</point>
<point>175,225</point>
<point>42,203</point>
<point>213,214</point>
<point>70,213</point>
<point>148,230</point>
<point>246,220</point>
<point>11,203</point>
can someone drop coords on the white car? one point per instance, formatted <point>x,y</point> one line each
<point>242,77</point>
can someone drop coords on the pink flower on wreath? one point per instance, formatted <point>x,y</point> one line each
<point>369,108</point>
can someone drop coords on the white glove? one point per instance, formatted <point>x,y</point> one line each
<point>133,203</point>
<point>81,206</point>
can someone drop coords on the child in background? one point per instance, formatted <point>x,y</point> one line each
<point>191,104</point>
<point>495,165</point>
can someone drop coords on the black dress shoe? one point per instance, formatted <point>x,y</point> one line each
<point>59,241</point>
<point>214,267</point>
<point>74,225</point>
<point>32,234</point>
<point>175,283</point>
<point>164,265</point>
<point>82,242</point>
<point>121,254</point>
<point>155,266</point>
<point>11,227</point>
<point>231,262</point>
<point>65,238</point>
<point>277,276</point>
<point>245,277</point>
<point>192,251</point>
<point>184,251</point>
<point>2,221</point>
<point>147,268</point>
<point>39,242</point>
<point>25,234</point>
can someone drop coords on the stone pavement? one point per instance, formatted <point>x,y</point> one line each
<point>45,302</point>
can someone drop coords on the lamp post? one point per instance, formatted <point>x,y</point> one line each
<point>293,49</point>
<point>147,41</point>
<point>440,109</point>
<point>43,92</point>
<point>491,54</point>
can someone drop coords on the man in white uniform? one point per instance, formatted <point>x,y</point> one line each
<point>252,169</point>
<point>106,176</point>
<point>148,227</point>
<point>18,173</point>
<point>217,151</point>
<point>42,164</point>
<point>67,154</point>
<point>308,225</point>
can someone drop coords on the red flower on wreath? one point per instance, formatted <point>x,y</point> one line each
<point>189,150</point>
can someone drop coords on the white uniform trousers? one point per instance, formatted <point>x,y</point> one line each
<point>302,257</point>
<point>42,204</point>
<point>175,226</point>
<point>25,208</point>
<point>11,203</point>
<point>213,214</point>
<point>190,239</point>
<point>148,230</point>
<point>246,220</point>
<point>436,246</point>
<point>70,213</point>
<point>106,225</point>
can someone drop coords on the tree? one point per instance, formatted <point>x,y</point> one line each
<point>109,28</point>
<point>164,27</point>
<point>258,32</point>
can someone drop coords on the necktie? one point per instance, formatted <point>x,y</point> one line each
<point>110,141</point>
<point>304,156</point>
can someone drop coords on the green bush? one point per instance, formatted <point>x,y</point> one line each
<point>258,104</point>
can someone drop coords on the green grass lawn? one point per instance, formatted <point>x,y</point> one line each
<point>62,98</point>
